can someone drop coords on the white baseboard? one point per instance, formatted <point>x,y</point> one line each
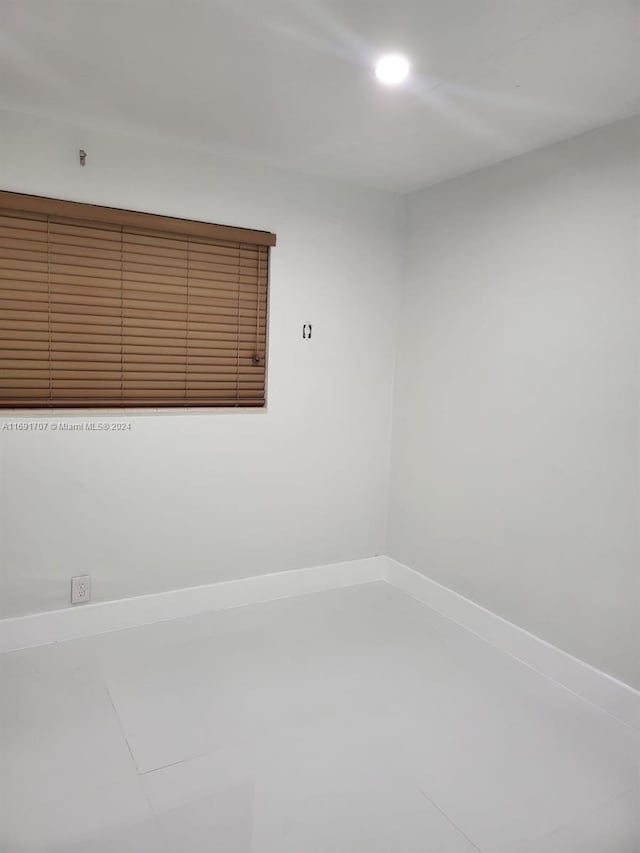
<point>602,690</point>
<point>607,693</point>
<point>85,620</point>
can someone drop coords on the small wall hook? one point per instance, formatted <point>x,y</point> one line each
<point>306,332</point>
<point>83,157</point>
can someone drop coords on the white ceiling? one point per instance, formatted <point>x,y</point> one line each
<point>290,83</point>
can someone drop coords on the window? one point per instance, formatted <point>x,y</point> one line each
<point>102,307</point>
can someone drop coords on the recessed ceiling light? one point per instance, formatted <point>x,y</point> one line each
<point>392,69</point>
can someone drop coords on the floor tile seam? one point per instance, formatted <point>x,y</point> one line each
<point>449,820</point>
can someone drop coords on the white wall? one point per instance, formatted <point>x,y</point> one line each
<point>515,440</point>
<point>185,499</point>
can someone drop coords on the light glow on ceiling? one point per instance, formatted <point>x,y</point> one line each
<point>392,69</point>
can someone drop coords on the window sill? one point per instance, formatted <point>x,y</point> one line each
<point>125,413</point>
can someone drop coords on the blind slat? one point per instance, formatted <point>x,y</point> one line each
<point>34,363</point>
<point>8,274</point>
<point>134,400</point>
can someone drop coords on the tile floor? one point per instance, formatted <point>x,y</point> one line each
<point>349,721</point>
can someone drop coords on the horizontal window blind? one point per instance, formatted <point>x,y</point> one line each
<point>101,308</point>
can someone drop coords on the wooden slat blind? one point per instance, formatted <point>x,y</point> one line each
<point>145,311</point>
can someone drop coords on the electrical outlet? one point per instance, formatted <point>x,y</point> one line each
<point>80,589</point>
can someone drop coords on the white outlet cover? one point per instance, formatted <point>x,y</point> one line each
<point>80,589</point>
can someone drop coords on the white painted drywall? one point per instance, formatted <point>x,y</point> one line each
<point>185,499</point>
<point>515,473</point>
